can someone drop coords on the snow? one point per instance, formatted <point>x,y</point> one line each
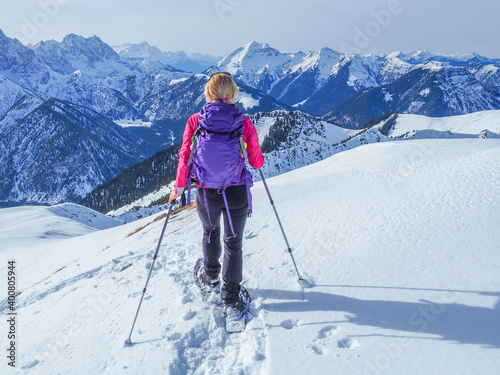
<point>179,80</point>
<point>263,126</point>
<point>49,223</point>
<point>324,60</point>
<point>362,72</point>
<point>300,103</point>
<point>126,123</point>
<point>415,106</point>
<point>247,101</point>
<point>433,66</point>
<point>399,240</point>
<point>425,92</point>
<point>471,124</point>
<point>84,215</point>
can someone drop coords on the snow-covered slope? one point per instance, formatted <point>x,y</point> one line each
<point>11,94</point>
<point>479,124</point>
<point>400,241</point>
<point>49,225</point>
<point>291,140</point>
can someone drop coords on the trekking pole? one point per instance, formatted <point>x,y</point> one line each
<point>128,341</point>
<point>281,226</point>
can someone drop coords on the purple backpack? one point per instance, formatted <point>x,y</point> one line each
<point>218,153</point>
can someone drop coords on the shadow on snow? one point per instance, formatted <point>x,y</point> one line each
<point>450,320</point>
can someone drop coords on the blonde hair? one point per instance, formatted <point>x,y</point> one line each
<point>221,87</point>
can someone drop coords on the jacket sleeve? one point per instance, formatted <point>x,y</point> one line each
<point>250,137</point>
<point>184,153</point>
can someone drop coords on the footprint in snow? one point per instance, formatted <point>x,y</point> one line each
<point>316,349</point>
<point>186,299</point>
<point>288,324</point>
<point>328,331</point>
<point>156,267</point>
<point>324,339</point>
<point>348,343</point>
<point>189,315</point>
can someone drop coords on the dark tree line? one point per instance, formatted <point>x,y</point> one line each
<point>136,181</point>
<point>280,131</point>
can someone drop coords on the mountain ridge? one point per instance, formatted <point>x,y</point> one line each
<point>157,99</point>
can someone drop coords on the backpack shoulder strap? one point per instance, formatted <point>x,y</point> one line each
<point>187,173</point>
<point>193,147</point>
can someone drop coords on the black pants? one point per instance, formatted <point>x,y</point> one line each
<point>237,202</point>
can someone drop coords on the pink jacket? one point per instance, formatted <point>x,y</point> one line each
<point>255,157</point>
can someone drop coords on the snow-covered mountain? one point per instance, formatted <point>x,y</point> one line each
<point>60,151</point>
<point>257,65</point>
<point>14,57</point>
<point>456,59</point>
<point>148,54</point>
<point>432,90</point>
<point>84,71</point>
<point>319,81</point>
<point>75,52</point>
<point>134,85</point>
<point>399,243</point>
<point>88,72</point>
<point>85,77</point>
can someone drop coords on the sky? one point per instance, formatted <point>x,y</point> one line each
<point>218,27</point>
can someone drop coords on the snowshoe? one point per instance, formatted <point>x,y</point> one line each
<point>236,314</point>
<point>210,289</point>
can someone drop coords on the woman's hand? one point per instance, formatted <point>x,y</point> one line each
<point>173,196</point>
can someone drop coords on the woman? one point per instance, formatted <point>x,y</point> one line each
<point>234,205</point>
